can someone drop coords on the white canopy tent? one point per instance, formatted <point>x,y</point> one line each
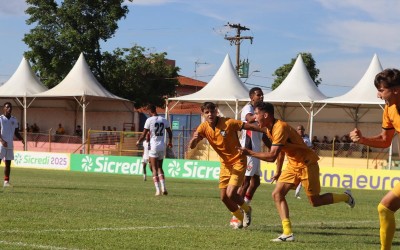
<point>81,85</point>
<point>361,103</point>
<point>23,84</point>
<point>362,96</point>
<point>224,88</point>
<point>297,88</point>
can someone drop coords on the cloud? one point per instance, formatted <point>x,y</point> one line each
<point>354,35</point>
<point>12,8</point>
<point>356,25</point>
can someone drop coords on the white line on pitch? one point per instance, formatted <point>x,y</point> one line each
<point>21,244</point>
<point>182,226</point>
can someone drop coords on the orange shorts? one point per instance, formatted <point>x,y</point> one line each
<point>308,175</point>
<point>232,174</point>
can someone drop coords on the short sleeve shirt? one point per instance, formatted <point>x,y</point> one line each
<point>250,139</point>
<point>7,129</point>
<point>391,118</point>
<point>156,126</point>
<point>297,152</point>
<point>224,138</point>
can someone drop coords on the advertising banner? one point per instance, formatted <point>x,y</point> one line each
<point>191,169</point>
<point>41,160</point>
<point>372,179</point>
<point>106,164</point>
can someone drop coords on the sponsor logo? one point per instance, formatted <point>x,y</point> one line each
<point>18,159</point>
<point>87,163</point>
<point>174,168</point>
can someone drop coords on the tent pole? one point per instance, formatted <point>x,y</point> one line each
<point>83,124</point>
<point>25,127</point>
<point>236,108</point>
<point>311,120</point>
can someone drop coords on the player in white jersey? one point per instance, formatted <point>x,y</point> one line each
<point>156,126</point>
<point>251,140</point>
<point>145,158</point>
<point>8,128</point>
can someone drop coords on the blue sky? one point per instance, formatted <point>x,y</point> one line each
<point>342,36</point>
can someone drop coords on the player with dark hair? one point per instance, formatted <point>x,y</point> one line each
<point>8,128</point>
<point>302,167</point>
<point>156,126</point>
<point>387,83</point>
<point>252,140</point>
<point>222,134</point>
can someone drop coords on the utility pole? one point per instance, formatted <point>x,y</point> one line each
<point>237,40</point>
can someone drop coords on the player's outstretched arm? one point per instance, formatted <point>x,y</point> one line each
<point>383,140</point>
<point>195,140</point>
<point>253,127</point>
<point>270,156</point>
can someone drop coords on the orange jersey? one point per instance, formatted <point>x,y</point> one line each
<point>391,118</point>
<point>224,139</point>
<point>297,152</point>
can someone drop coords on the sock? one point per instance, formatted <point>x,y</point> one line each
<point>245,207</point>
<point>7,178</point>
<point>238,214</point>
<point>156,183</point>
<point>340,198</point>
<point>162,181</point>
<point>247,198</point>
<point>287,226</point>
<point>387,226</point>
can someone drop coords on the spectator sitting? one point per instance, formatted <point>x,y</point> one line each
<point>78,131</point>
<point>315,143</point>
<point>336,142</point>
<point>325,143</point>
<point>35,128</point>
<point>60,130</point>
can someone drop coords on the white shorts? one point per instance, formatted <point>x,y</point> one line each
<point>160,154</point>
<point>253,167</point>
<point>6,153</point>
<point>145,158</point>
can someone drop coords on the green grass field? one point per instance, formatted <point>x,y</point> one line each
<point>70,210</point>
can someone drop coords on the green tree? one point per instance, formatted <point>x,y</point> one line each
<point>63,31</point>
<point>282,72</point>
<point>137,74</point>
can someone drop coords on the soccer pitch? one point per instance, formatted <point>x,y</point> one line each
<point>71,210</point>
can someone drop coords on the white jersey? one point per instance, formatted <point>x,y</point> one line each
<point>251,140</point>
<point>7,129</point>
<point>156,126</point>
